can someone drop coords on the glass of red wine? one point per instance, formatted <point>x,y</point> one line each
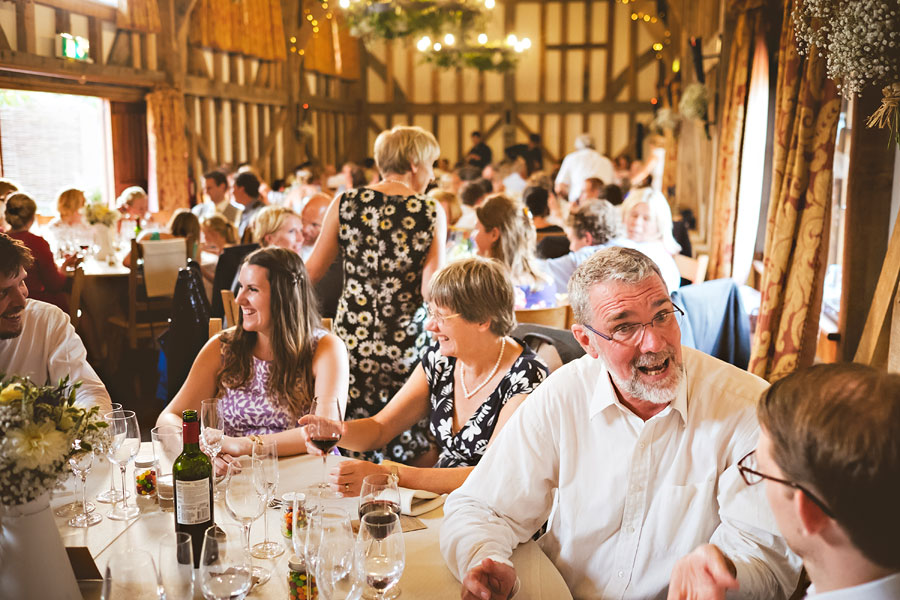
<point>381,555</point>
<point>379,492</point>
<point>324,429</point>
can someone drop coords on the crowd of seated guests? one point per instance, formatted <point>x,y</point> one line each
<point>184,225</point>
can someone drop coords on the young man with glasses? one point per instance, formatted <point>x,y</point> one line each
<point>829,453</point>
<point>639,442</point>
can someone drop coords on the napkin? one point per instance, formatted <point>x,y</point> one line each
<point>418,502</point>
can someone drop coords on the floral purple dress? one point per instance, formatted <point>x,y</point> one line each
<point>247,410</point>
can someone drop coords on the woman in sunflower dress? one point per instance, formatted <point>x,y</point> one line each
<point>391,241</point>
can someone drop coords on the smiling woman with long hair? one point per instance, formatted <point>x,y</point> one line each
<point>267,369</point>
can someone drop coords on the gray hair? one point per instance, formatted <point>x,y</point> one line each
<point>598,218</point>
<point>585,140</point>
<point>660,214</point>
<point>479,289</point>
<point>610,264</point>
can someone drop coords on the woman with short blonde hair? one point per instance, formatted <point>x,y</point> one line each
<point>278,226</point>
<point>400,149</point>
<point>69,205</point>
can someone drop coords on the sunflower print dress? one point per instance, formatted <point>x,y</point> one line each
<point>384,243</point>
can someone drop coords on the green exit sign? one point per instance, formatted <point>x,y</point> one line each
<point>72,46</point>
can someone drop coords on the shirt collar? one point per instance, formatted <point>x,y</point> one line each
<point>605,394</point>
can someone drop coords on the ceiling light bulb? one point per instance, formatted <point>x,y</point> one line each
<point>489,4</point>
<point>449,39</point>
<point>423,44</point>
<point>511,39</point>
<point>526,43</point>
<point>437,46</point>
<point>482,38</point>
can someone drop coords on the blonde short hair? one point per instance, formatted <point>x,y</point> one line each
<point>479,289</point>
<point>269,220</point>
<point>129,195</point>
<point>69,202</point>
<point>398,149</point>
<point>454,206</point>
<point>660,214</point>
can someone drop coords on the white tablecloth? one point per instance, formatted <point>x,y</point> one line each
<point>426,575</point>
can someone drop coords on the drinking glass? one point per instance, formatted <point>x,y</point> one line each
<point>176,565</point>
<point>225,572</point>
<point>245,503</point>
<point>324,430</point>
<point>112,495</point>
<point>305,507</point>
<point>265,458</point>
<point>335,566</point>
<point>77,507</point>
<point>167,445</point>
<point>124,443</point>
<point>212,432</point>
<point>379,492</point>
<point>131,575</point>
<point>381,553</point>
<point>81,462</point>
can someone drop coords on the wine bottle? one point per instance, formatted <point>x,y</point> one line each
<point>192,474</point>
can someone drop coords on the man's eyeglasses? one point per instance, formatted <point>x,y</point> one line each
<point>748,466</point>
<point>437,318</point>
<point>633,333</point>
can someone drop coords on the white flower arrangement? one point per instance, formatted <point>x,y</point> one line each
<point>37,427</point>
<point>98,212</point>
<point>695,102</point>
<point>666,119</point>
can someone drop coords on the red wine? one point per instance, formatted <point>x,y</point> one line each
<point>378,505</point>
<point>379,519</point>
<point>192,478</point>
<point>380,583</point>
<point>325,444</point>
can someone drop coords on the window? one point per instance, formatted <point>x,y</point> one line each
<point>50,142</point>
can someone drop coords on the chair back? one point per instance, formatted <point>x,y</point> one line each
<point>231,308</point>
<point>75,297</point>
<point>215,326</point>
<point>162,259</point>
<point>327,323</point>
<point>692,269</point>
<point>551,317</point>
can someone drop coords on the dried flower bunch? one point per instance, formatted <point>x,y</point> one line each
<point>695,102</point>
<point>37,427</point>
<point>860,40</point>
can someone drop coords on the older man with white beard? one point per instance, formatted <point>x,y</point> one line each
<point>639,441</point>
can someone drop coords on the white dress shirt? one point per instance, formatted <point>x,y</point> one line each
<point>886,588</point>
<point>632,497</point>
<point>47,350</point>
<point>581,165</point>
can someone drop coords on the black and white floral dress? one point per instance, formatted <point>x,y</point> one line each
<point>466,446</point>
<point>384,243</point>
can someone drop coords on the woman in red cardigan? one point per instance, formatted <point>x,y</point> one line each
<point>45,281</point>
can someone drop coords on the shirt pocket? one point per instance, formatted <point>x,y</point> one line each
<point>681,517</point>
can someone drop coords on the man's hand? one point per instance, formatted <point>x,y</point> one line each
<point>704,574</point>
<point>489,581</point>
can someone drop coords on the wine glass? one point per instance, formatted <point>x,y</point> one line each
<point>324,429</point>
<point>379,492</point>
<point>225,572</point>
<point>78,507</point>
<point>335,566</point>
<point>381,553</point>
<point>305,506</point>
<point>176,565</point>
<point>212,431</point>
<point>131,575</point>
<point>81,462</point>
<point>245,503</point>
<point>112,495</point>
<point>124,443</point>
<point>265,457</point>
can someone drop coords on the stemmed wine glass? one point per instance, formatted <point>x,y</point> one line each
<point>225,572</point>
<point>265,461</point>
<point>81,462</point>
<point>305,544</point>
<point>245,503</point>
<point>324,429</point>
<point>379,492</point>
<point>112,495</point>
<point>381,553</point>
<point>335,565</point>
<point>124,443</point>
<point>212,431</point>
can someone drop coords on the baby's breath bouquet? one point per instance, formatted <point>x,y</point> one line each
<point>98,212</point>
<point>37,427</point>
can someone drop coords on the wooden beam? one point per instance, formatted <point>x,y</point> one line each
<point>95,40</point>
<point>25,27</point>
<point>120,53</point>
<point>233,60</point>
<point>625,75</point>
<point>88,8</point>
<point>4,41</point>
<point>585,46</point>
<point>63,22</point>
<point>556,108</point>
<point>608,74</point>
<point>37,83</point>
<point>198,86</point>
<point>586,68</point>
<point>81,71</point>
<point>183,10</point>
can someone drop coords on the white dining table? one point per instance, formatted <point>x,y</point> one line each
<point>425,576</point>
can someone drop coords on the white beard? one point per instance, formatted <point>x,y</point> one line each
<point>662,392</point>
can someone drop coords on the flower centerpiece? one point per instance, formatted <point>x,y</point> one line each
<point>37,427</point>
<point>694,104</point>
<point>103,218</point>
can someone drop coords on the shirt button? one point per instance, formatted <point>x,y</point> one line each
<point>631,530</point>
<point>642,445</point>
<point>621,574</point>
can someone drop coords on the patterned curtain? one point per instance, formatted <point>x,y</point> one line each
<point>168,177</point>
<point>249,27</point>
<point>731,140</point>
<point>806,116</point>
<point>138,15</point>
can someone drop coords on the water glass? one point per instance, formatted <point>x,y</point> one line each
<point>225,570</point>
<point>265,458</point>
<point>335,566</point>
<point>112,495</point>
<point>167,445</point>
<point>131,575</point>
<point>124,443</point>
<point>245,503</point>
<point>81,462</point>
<point>212,433</point>
<point>176,565</point>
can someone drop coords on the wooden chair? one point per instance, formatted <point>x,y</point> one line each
<point>215,326</point>
<point>692,269</point>
<point>75,297</point>
<point>231,308</point>
<point>551,317</point>
<point>148,313</point>
<point>327,323</point>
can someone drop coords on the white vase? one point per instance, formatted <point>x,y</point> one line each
<point>104,238</point>
<point>33,561</point>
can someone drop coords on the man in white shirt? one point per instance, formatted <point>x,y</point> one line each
<point>36,339</point>
<point>830,456</point>
<point>638,441</point>
<point>585,162</point>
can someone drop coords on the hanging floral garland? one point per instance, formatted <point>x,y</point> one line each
<point>860,41</point>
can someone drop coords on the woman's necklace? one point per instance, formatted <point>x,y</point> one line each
<point>398,181</point>
<point>462,373</point>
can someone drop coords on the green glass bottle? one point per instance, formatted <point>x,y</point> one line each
<point>193,478</point>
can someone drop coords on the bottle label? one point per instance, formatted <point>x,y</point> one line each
<point>192,501</point>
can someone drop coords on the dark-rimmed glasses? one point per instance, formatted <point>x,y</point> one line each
<point>633,333</point>
<point>747,467</point>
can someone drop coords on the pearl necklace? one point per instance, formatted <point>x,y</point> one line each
<point>462,373</point>
<point>397,181</point>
